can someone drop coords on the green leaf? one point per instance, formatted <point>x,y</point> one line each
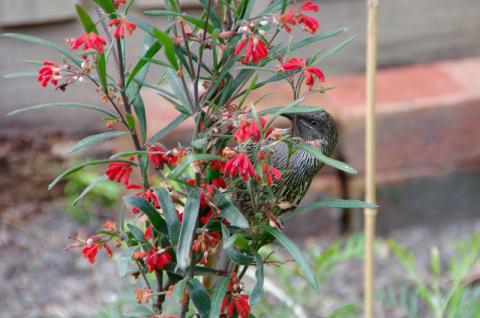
<point>199,297</point>
<point>220,289</point>
<point>49,44</point>
<point>333,203</point>
<point>168,46</point>
<point>327,160</point>
<point>175,84</point>
<point>21,75</point>
<point>76,105</point>
<point>130,121</point>
<point>144,60</point>
<point>239,257</point>
<point>85,19</point>
<point>146,207</point>
<point>290,110</point>
<point>106,5</point>
<point>190,216</point>
<point>164,13</point>
<point>139,312</point>
<point>123,265</point>
<point>102,72</point>
<point>177,172</point>
<point>213,15</point>
<point>295,252</point>
<point>229,211</point>
<point>137,233</point>
<point>258,292</point>
<point>305,42</point>
<point>171,216</point>
<point>168,129</point>
<point>83,165</point>
<point>90,140</point>
<point>89,188</point>
<point>141,115</point>
<point>336,48</point>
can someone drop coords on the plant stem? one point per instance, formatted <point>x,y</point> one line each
<point>200,57</point>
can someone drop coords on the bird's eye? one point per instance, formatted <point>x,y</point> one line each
<point>314,123</point>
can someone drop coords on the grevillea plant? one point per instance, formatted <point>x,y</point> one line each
<point>181,217</point>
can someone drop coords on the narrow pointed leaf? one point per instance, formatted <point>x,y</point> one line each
<point>190,216</point>
<point>164,13</point>
<point>90,187</point>
<point>91,140</point>
<point>175,84</point>
<point>258,292</point>
<point>327,160</point>
<point>44,42</point>
<point>85,19</point>
<point>146,207</point>
<point>75,105</point>
<point>168,129</point>
<point>333,203</point>
<point>295,252</point>
<point>229,211</point>
<point>220,289</point>
<point>168,46</point>
<point>171,217</point>
<point>21,75</point>
<point>106,5</point>
<point>199,297</point>
<point>83,165</point>
<point>290,110</point>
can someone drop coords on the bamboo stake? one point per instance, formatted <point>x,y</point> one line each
<point>370,186</point>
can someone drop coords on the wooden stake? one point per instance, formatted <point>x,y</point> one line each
<point>370,186</point>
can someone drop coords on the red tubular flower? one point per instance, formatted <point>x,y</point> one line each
<point>90,250</point>
<point>205,243</point>
<point>255,51</point>
<point>215,174</point>
<point>118,3</point>
<point>50,72</point>
<point>296,16</point>
<point>122,24</point>
<point>148,233</point>
<point>89,41</point>
<point>157,260</point>
<point>240,165</point>
<point>249,130</point>
<point>238,304</point>
<point>308,71</point>
<point>312,71</point>
<point>156,156</point>
<point>173,157</point>
<point>271,172</point>
<point>118,170</point>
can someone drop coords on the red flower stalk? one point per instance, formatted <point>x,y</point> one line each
<point>118,3</point>
<point>143,295</point>
<point>122,24</point>
<point>255,51</point>
<point>271,173</point>
<point>236,304</point>
<point>50,72</point>
<point>296,16</point>
<point>118,170</point>
<point>148,195</point>
<point>90,250</point>
<point>240,165</point>
<point>157,259</point>
<point>156,156</point>
<point>310,72</point>
<point>148,233</point>
<point>89,41</point>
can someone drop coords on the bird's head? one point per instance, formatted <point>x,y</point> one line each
<point>318,125</point>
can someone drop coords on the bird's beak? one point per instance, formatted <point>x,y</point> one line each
<point>287,115</point>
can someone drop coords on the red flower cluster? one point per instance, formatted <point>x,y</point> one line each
<point>148,195</point>
<point>119,170</point>
<point>156,259</point>
<point>235,301</point>
<point>50,72</point>
<point>90,250</point>
<point>159,156</point>
<point>240,165</point>
<point>271,173</point>
<point>118,3</point>
<point>296,16</point>
<point>205,243</point>
<point>255,51</point>
<point>308,71</point>
<point>89,41</point>
<point>249,130</point>
<point>215,175</point>
<point>122,24</point>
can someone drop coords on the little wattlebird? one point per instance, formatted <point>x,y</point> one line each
<point>318,129</point>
